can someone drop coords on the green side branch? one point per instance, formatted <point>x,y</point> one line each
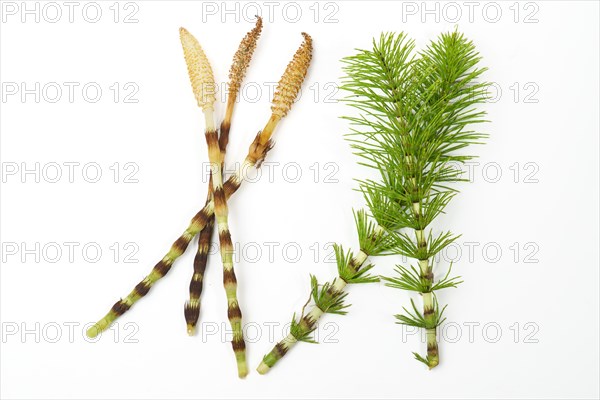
<point>330,297</point>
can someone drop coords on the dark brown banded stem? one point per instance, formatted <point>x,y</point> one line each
<point>192,307</point>
<point>229,280</point>
<point>142,288</point>
<point>224,137</point>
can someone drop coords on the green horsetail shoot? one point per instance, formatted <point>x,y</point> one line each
<point>416,116</point>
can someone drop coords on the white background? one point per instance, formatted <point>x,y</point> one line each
<point>542,301</point>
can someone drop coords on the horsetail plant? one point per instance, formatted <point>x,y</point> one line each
<point>415,116</point>
<point>237,72</point>
<point>287,91</point>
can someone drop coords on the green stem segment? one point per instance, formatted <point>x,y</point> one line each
<point>429,311</point>
<point>429,315</point>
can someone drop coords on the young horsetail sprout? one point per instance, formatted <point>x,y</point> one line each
<point>237,72</point>
<point>256,154</point>
<point>415,117</point>
<point>330,297</point>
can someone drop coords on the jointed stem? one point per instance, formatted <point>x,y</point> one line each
<point>192,307</point>
<point>142,288</point>
<point>229,280</point>
<point>429,316</point>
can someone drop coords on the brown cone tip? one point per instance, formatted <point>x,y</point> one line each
<point>291,81</point>
<point>242,57</point>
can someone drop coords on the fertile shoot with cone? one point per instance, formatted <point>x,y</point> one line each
<point>288,86</point>
<point>237,72</point>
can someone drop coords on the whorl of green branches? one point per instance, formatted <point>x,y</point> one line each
<point>327,299</point>
<point>300,332</point>
<point>347,272</point>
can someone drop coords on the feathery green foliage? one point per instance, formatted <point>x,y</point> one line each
<point>415,112</point>
<point>414,115</point>
<point>412,280</point>
<point>372,238</point>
